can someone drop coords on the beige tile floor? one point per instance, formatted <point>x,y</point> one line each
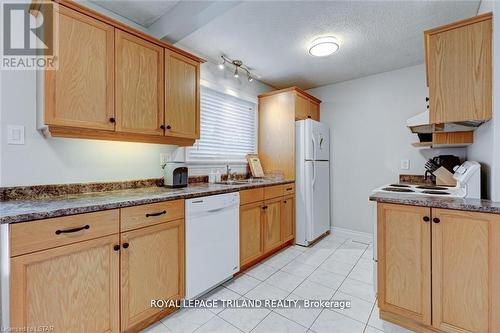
<point>337,267</point>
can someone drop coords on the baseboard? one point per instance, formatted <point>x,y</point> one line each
<point>351,233</point>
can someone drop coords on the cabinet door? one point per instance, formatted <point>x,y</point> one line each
<point>301,107</point>
<point>461,286</point>
<point>73,288</point>
<point>288,217</point>
<point>272,224</point>
<point>80,92</point>
<point>460,73</point>
<point>251,216</point>
<point>313,110</point>
<point>139,85</point>
<point>152,267</point>
<point>404,261</point>
<point>182,111</point>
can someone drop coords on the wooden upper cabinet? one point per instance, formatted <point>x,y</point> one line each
<point>272,224</point>
<point>139,85</point>
<point>404,261</point>
<point>314,110</point>
<point>152,267</point>
<point>302,107</point>
<point>306,107</point>
<point>80,92</point>
<point>277,133</point>
<point>74,288</point>
<point>182,86</point>
<point>459,70</point>
<point>250,232</point>
<point>465,271</point>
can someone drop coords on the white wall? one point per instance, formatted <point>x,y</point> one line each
<point>487,137</point>
<point>57,160</point>
<point>367,118</point>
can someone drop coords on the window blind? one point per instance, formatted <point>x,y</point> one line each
<point>227,128</point>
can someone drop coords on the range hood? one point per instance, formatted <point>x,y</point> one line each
<point>420,124</point>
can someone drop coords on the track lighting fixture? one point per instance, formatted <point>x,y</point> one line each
<point>238,64</point>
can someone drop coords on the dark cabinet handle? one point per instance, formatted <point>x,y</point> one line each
<point>169,127</point>
<point>116,247</point>
<point>264,207</point>
<point>436,220</point>
<point>289,189</point>
<point>156,214</point>
<point>309,117</point>
<point>68,231</point>
<point>125,245</point>
<point>284,201</point>
<point>426,219</point>
<point>162,127</point>
<point>112,120</point>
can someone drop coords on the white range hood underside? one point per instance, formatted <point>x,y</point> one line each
<point>420,124</point>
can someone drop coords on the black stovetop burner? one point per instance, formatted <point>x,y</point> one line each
<point>397,189</point>
<point>431,187</point>
<point>399,185</point>
<point>436,192</point>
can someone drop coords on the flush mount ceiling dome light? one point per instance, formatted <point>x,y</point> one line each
<point>324,46</point>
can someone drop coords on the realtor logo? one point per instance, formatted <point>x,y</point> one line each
<point>29,36</point>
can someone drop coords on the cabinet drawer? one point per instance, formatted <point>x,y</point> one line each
<point>144,215</point>
<point>35,236</point>
<point>252,195</point>
<point>288,189</point>
<point>273,192</point>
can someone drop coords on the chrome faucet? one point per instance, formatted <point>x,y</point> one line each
<point>228,172</point>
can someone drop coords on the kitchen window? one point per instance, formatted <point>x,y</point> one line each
<point>228,128</point>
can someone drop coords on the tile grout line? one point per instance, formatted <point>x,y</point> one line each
<point>290,293</point>
<point>340,286</point>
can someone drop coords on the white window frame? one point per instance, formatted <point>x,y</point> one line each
<point>223,162</point>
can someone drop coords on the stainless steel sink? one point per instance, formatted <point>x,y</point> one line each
<point>241,182</point>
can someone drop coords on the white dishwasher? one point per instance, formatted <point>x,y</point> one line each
<point>212,241</point>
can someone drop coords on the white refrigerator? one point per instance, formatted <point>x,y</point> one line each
<point>312,180</point>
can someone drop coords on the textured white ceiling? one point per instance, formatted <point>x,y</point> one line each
<point>143,12</point>
<point>273,36</point>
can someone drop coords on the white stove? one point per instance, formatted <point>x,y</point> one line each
<point>428,190</point>
<point>467,175</point>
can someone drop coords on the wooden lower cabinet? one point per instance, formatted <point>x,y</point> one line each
<point>404,266</point>
<point>462,252</point>
<point>152,267</point>
<point>265,225</point>
<point>440,275</point>
<point>272,224</point>
<point>250,232</point>
<point>73,288</point>
<point>288,218</point>
<point>104,284</point>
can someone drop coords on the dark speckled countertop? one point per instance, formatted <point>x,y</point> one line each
<point>28,210</point>
<point>471,205</point>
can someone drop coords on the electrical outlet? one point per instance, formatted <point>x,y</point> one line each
<point>405,165</point>
<point>15,135</point>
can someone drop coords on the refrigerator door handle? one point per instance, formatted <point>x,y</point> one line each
<point>314,148</point>
<point>314,173</point>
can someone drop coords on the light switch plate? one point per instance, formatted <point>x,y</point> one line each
<point>405,164</point>
<point>15,135</point>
